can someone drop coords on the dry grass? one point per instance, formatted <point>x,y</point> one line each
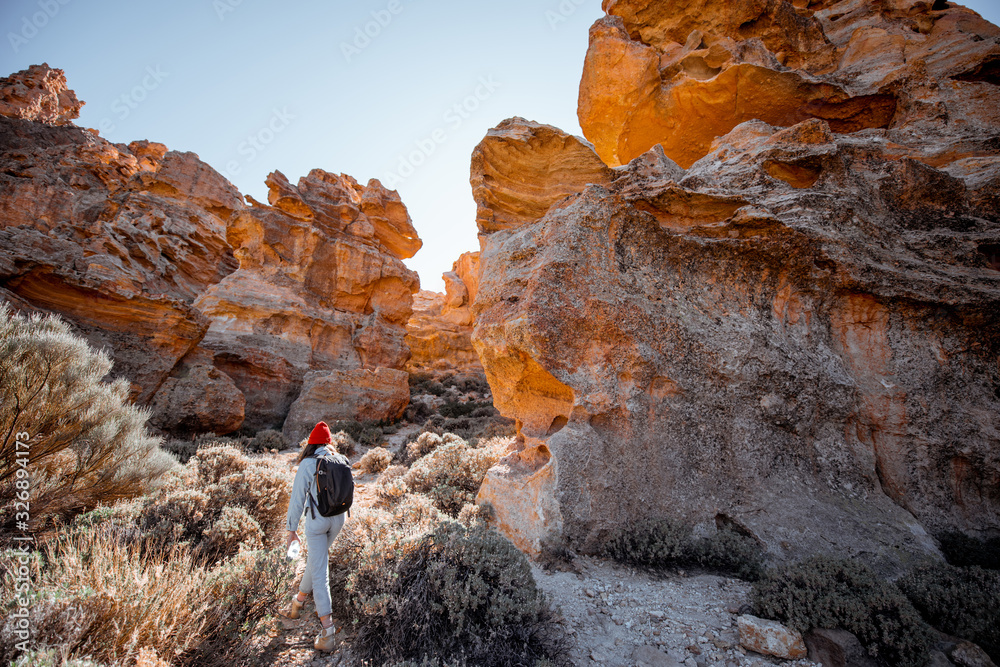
<point>102,597</point>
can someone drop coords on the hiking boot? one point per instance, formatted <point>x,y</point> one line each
<point>294,609</point>
<point>326,639</point>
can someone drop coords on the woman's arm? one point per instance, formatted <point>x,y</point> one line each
<point>297,502</point>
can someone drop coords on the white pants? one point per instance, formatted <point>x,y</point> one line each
<point>320,533</point>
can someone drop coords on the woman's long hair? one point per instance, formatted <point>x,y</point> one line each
<point>309,450</point>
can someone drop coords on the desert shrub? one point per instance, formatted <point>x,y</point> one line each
<point>85,443</point>
<point>474,514</point>
<point>344,443</point>
<point>375,460</point>
<point>417,412</point>
<point>456,593</point>
<point>962,601</point>
<point>454,409</point>
<point>963,550</point>
<point>234,529</point>
<point>427,442</point>
<point>727,552</point>
<point>555,553</point>
<point>366,433</point>
<point>194,499</point>
<point>54,658</point>
<point>827,593</point>
<point>655,543</point>
<point>98,598</point>
<point>267,440</point>
<point>181,448</point>
<point>452,474</point>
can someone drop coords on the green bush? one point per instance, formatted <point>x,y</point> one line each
<point>962,550</point>
<point>454,409</point>
<point>267,440</point>
<point>962,601</point>
<point>828,593</point>
<point>452,474</point>
<point>366,433</point>
<point>456,594</point>
<point>726,551</point>
<point>655,543</point>
<point>85,443</point>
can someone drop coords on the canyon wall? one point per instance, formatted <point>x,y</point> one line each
<point>439,334</point>
<point>767,295</point>
<point>214,310</point>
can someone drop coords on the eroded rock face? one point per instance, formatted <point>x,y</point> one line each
<point>795,335</point>
<point>439,334</point>
<point>39,94</point>
<point>360,393</point>
<point>138,247</point>
<point>318,289</point>
<point>117,239</point>
<point>680,74</point>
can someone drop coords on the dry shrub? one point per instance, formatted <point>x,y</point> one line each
<point>267,440</point>
<point>391,487</point>
<point>427,442</point>
<point>824,592</point>
<point>375,460</point>
<point>234,529</point>
<point>98,597</point>
<point>452,474</point>
<point>86,443</point>
<point>962,601</point>
<point>472,515</point>
<point>455,593</point>
<point>195,498</point>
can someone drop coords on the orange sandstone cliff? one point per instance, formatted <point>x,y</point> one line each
<point>767,293</point>
<point>218,313</point>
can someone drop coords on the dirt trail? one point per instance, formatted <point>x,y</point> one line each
<point>615,616</point>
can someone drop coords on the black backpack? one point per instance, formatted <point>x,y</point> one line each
<point>334,486</point>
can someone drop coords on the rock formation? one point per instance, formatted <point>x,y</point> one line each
<point>776,308</point>
<point>117,239</point>
<point>319,288</point>
<point>213,310</point>
<point>439,334</point>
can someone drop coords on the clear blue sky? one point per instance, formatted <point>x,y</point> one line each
<point>253,86</point>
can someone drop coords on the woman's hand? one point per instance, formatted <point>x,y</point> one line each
<point>292,537</point>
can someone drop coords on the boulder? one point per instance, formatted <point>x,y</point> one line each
<point>837,648</point>
<point>358,394</point>
<point>770,638</point>
<point>198,399</point>
<point>788,324</point>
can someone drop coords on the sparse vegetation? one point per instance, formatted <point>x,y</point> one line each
<point>452,474</point>
<point>375,460</point>
<point>418,586</point>
<point>85,443</point>
<point>828,593</point>
<point>661,543</point>
<point>962,601</point>
<point>267,440</point>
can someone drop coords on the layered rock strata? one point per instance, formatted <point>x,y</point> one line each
<point>786,330</point>
<point>213,310</point>
<point>320,287</point>
<point>439,334</point>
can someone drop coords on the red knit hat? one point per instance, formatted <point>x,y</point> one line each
<point>320,435</point>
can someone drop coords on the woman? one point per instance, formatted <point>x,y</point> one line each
<point>320,533</point>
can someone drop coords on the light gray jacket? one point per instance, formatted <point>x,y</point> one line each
<point>305,479</point>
